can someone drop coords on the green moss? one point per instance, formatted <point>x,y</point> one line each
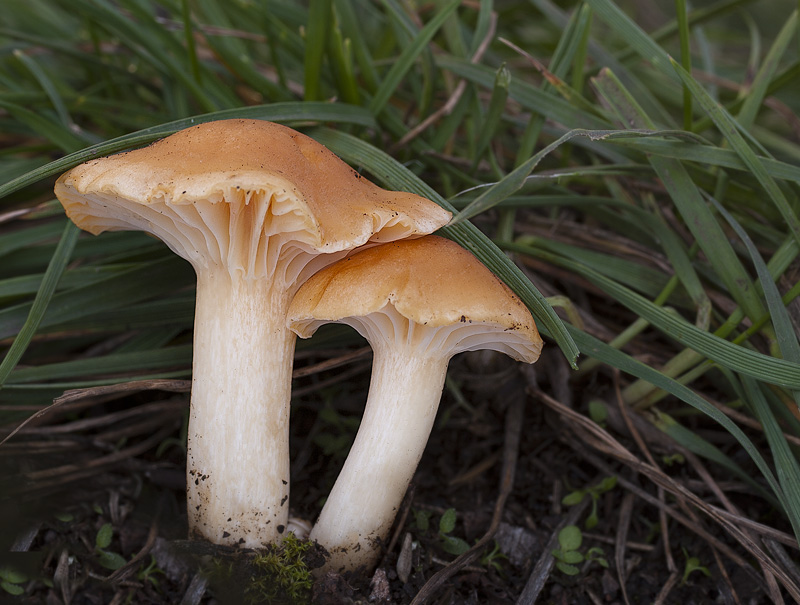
<point>277,575</point>
<point>280,574</point>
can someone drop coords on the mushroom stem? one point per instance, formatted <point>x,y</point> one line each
<point>238,442</point>
<point>404,395</point>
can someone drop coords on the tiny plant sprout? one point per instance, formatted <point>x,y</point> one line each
<point>256,208</point>
<point>418,303</point>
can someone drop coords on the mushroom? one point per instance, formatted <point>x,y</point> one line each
<point>256,208</point>
<point>418,303</point>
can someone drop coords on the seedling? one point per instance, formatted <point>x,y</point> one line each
<point>422,519</point>
<point>451,544</point>
<point>568,557</point>
<point>669,460</point>
<point>692,564</point>
<point>595,492</point>
<point>598,412</point>
<point>108,559</point>
<point>492,558</point>
<point>148,573</point>
<point>10,580</point>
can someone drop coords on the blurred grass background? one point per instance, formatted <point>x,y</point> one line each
<point>634,165</point>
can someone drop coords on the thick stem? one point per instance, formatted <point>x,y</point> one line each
<point>238,444</point>
<point>404,395</point>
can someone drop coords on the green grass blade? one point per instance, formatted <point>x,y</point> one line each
<point>352,30</point>
<point>47,85</point>
<point>686,58</point>
<point>188,38</point>
<point>589,345</point>
<point>689,201</point>
<point>758,90</point>
<point>696,444</point>
<point>723,352</point>
<point>113,363</point>
<point>730,130</point>
<point>494,113</point>
<point>236,55</point>
<point>709,155</point>
<point>627,29</point>
<point>53,274</point>
<point>784,330</point>
<point>54,132</point>
<point>786,466</point>
<point>409,55</point>
<point>144,38</point>
<point>143,282</point>
<point>29,236</point>
<point>531,97</point>
<point>514,180</point>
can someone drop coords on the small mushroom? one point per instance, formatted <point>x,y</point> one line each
<point>256,208</point>
<point>418,303</point>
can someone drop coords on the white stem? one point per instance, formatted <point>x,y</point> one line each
<point>404,395</point>
<point>238,444</point>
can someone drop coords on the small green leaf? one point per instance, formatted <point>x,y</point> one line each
<point>669,460</point>
<point>448,521</point>
<point>571,556</point>
<point>12,589</point>
<point>110,560</point>
<point>454,546</point>
<point>573,498</point>
<point>598,411</point>
<point>422,519</point>
<point>596,555</point>
<point>104,535</point>
<point>12,575</point>
<point>570,538</point>
<point>607,484</point>
<point>569,570</point>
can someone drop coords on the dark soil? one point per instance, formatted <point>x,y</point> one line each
<point>55,502</point>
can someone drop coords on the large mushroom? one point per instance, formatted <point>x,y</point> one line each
<point>418,303</point>
<point>256,208</point>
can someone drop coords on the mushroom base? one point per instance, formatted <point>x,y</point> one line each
<point>238,442</point>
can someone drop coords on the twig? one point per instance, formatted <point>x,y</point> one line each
<point>451,103</point>
<point>661,598</point>
<point>72,472</point>
<point>124,571</point>
<point>621,537</point>
<point>541,572</point>
<point>637,437</point>
<point>602,441</point>
<point>195,591</point>
<point>330,364</point>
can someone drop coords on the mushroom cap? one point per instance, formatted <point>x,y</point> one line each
<point>253,176</point>
<point>432,283</point>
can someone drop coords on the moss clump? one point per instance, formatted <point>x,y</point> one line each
<point>277,575</point>
<point>280,574</point>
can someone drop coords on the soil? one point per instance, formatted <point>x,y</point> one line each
<point>57,503</point>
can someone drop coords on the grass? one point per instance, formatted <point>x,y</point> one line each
<point>643,174</point>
